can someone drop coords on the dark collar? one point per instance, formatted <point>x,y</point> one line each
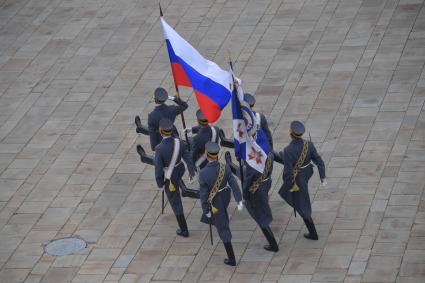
<point>203,129</point>
<point>159,106</point>
<point>167,140</point>
<point>213,163</point>
<point>297,141</point>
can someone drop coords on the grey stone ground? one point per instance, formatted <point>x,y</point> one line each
<point>74,73</point>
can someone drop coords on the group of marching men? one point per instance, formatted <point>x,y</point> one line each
<point>216,179</point>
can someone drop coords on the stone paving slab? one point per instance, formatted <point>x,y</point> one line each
<point>73,74</point>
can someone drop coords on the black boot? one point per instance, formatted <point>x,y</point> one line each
<point>230,260</point>
<point>312,234</point>
<point>140,129</point>
<point>225,141</point>
<point>143,156</point>
<point>232,165</point>
<point>138,123</point>
<point>186,192</point>
<point>272,246</point>
<point>183,231</point>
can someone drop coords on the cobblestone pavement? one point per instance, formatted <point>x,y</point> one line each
<point>73,73</point>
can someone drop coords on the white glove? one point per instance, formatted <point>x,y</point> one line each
<point>185,131</point>
<point>240,206</point>
<point>194,178</point>
<point>173,98</point>
<point>208,215</point>
<point>324,182</point>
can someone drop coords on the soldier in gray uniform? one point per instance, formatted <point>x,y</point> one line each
<point>214,180</point>
<point>298,169</point>
<point>162,110</point>
<point>203,134</point>
<point>169,170</point>
<point>255,192</point>
<point>150,160</point>
<point>261,119</point>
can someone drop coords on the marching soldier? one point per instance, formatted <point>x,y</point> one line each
<point>204,133</point>
<point>169,170</point>
<point>255,192</point>
<point>162,110</point>
<point>214,180</point>
<point>260,119</point>
<point>298,169</point>
<point>150,160</point>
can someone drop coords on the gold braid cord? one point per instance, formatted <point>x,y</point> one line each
<point>254,187</point>
<point>298,165</point>
<point>216,187</point>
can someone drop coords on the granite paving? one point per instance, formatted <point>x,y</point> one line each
<point>74,73</point>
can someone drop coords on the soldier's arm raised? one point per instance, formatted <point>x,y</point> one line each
<point>180,105</point>
<point>183,104</point>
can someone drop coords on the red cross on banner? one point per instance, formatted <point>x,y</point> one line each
<point>239,130</point>
<point>257,155</point>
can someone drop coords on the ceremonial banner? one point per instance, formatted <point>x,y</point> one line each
<point>211,84</point>
<point>250,141</point>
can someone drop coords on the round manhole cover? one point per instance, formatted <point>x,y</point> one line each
<point>65,246</point>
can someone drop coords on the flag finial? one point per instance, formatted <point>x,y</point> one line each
<point>229,56</point>
<point>160,10</point>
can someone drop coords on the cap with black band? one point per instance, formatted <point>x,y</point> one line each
<point>212,149</point>
<point>166,127</point>
<point>160,95</point>
<point>250,99</point>
<point>202,120</point>
<point>297,129</point>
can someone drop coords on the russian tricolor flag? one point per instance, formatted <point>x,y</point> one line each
<point>211,84</point>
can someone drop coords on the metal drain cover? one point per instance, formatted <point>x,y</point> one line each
<point>65,246</point>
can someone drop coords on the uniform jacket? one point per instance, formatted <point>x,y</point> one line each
<point>159,112</point>
<point>300,200</point>
<point>207,178</point>
<point>220,219</point>
<point>257,203</point>
<point>250,175</point>
<point>201,138</point>
<point>291,154</point>
<point>163,156</point>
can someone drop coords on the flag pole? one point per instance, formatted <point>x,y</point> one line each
<point>182,116</point>
<point>178,96</point>
<point>210,224</point>
<point>234,85</point>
